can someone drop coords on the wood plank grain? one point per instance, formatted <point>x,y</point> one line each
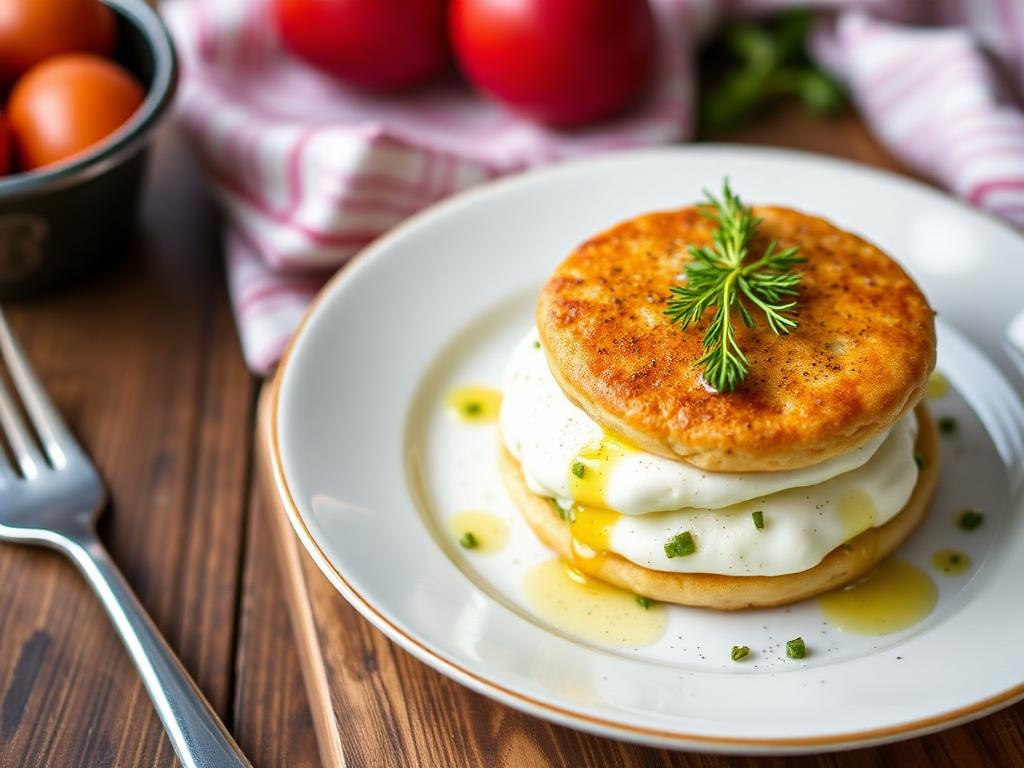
<point>274,725</point>
<point>388,709</point>
<point>145,366</point>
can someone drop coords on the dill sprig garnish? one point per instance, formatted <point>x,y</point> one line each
<point>719,276</point>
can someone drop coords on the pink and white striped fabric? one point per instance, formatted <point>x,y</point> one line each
<point>309,171</point>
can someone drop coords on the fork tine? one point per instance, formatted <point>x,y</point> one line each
<point>24,450</point>
<point>7,473</point>
<point>53,434</point>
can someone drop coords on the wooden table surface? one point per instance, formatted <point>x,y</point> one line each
<point>144,363</point>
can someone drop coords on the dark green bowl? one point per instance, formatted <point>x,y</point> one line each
<point>61,224</point>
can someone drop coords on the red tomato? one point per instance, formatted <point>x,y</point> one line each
<point>67,104</point>
<point>32,30</point>
<point>564,62</point>
<point>370,43</point>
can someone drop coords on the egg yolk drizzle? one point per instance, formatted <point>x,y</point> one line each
<point>592,468</point>
<point>590,521</point>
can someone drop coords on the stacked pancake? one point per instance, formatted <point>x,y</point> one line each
<point>627,464</point>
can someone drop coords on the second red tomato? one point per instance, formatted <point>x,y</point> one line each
<point>564,62</point>
<point>370,43</point>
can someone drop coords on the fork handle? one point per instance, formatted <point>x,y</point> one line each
<point>198,736</point>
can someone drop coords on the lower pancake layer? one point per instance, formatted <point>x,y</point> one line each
<point>724,592</point>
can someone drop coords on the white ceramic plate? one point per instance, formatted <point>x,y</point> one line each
<point>369,466</point>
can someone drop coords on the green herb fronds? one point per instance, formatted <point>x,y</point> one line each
<point>720,276</point>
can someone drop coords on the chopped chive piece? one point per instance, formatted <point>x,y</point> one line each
<point>795,649</point>
<point>563,513</point>
<point>468,540</point>
<point>680,545</point>
<point>970,519</point>
<point>758,519</point>
<point>578,469</point>
<point>739,652</point>
<point>536,345</point>
<point>472,408</point>
<point>947,425</point>
<point>919,460</point>
<point>644,602</point>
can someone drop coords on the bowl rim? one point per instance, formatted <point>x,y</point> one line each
<point>130,136</point>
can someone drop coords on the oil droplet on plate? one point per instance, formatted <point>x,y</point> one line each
<point>951,561</point>
<point>937,386</point>
<point>857,513</point>
<point>490,531</point>
<point>893,596</point>
<point>475,404</point>
<point>591,469</point>
<point>590,609</point>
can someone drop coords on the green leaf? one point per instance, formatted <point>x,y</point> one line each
<point>760,61</point>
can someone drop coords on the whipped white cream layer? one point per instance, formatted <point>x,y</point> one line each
<point>807,512</point>
<point>801,525</point>
<point>546,433</point>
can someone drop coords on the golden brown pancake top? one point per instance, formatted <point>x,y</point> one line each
<point>858,360</point>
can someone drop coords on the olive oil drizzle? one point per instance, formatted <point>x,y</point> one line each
<point>937,387</point>
<point>489,532</point>
<point>894,596</point>
<point>951,562</point>
<point>591,610</point>
<point>474,404</point>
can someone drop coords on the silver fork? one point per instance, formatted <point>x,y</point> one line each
<point>53,497</point>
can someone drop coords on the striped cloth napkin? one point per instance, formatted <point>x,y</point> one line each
<point>309,171</point>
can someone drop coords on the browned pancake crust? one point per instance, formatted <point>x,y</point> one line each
<point>841,566</point>
<point>858,361</point>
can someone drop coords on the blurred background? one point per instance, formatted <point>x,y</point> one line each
<point>178,181</point>
<point>319,124</point>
